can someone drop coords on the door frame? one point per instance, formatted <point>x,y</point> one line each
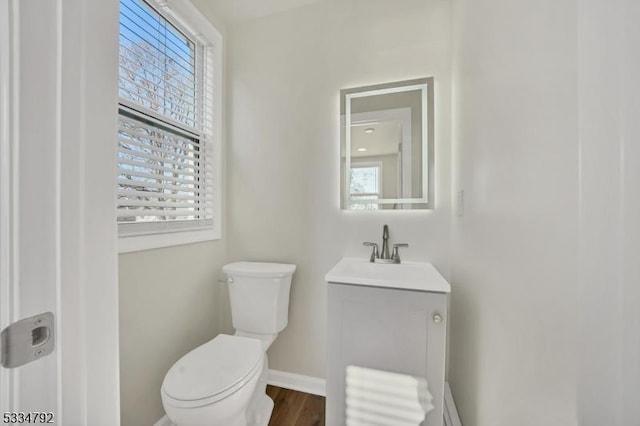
<point>86,116</point>
<point>6,242</point>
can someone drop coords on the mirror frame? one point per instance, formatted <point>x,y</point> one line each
<point>425,86</point>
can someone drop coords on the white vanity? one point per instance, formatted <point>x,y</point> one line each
<point>389,317</point>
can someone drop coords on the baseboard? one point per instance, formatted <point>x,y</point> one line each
<point>297,382</point>
<point>451,417</point>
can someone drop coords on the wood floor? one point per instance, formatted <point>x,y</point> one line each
<point>293,408</point>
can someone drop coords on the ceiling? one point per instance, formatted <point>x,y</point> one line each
<point>383,140</point>
<point>236,11</point>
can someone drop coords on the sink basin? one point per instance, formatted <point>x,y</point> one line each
<point>417,276</point>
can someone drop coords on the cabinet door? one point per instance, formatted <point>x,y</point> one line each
<point>384,329</point>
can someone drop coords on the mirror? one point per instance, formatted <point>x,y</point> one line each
<point>387,146</point>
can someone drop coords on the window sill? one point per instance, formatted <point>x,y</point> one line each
<point>133,243</point>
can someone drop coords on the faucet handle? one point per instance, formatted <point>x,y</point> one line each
<point>374,253</point>
<point>395,256</point>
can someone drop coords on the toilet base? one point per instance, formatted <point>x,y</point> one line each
<point>260,416</point>
<point>261,406</point>
<point>261,412</point>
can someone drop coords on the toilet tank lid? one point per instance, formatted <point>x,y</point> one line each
<point>259,269</point>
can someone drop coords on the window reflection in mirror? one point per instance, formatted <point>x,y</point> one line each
<point>386,146</point>
<point>365,184</point>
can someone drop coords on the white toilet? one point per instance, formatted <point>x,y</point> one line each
<point>223,382</point>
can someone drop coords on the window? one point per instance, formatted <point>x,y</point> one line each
<point>169,126</point>
<point>366,180</point>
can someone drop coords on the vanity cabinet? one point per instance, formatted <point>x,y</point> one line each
<point>391,329</point>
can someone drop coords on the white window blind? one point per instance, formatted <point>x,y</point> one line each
<point>165,176</point>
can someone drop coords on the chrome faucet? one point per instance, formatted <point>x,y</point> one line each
<point>384,257</point>
<point>385,242</point>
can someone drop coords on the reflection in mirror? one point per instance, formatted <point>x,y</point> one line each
<point>386,146</point>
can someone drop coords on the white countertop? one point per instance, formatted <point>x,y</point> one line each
<point>416,276</point>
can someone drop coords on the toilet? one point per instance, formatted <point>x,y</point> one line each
<point>223,382</point>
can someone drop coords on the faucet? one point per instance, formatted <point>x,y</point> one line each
<point>384,257</point>
<point>385,242</point>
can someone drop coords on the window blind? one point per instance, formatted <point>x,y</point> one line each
<point>164,177</point>
<point>157,64</point>
<point>161,174</point>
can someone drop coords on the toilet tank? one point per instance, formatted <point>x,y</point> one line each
<point>259,295</point>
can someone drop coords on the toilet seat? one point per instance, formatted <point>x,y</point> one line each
<point>213,371</point>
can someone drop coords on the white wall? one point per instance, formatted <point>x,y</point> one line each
<point>170,302</point>
<point>545,311</point>
<point>544,305</point>
<point>285,75</point>
<point>168,305</point>
<point>514,305</point>
<point>609,104</point>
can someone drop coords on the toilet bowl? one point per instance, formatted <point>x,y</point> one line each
<point>213,384</point>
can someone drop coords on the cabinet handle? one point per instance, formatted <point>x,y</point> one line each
<point>437,318</point>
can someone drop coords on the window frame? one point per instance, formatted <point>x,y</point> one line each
<point>187,19</point>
